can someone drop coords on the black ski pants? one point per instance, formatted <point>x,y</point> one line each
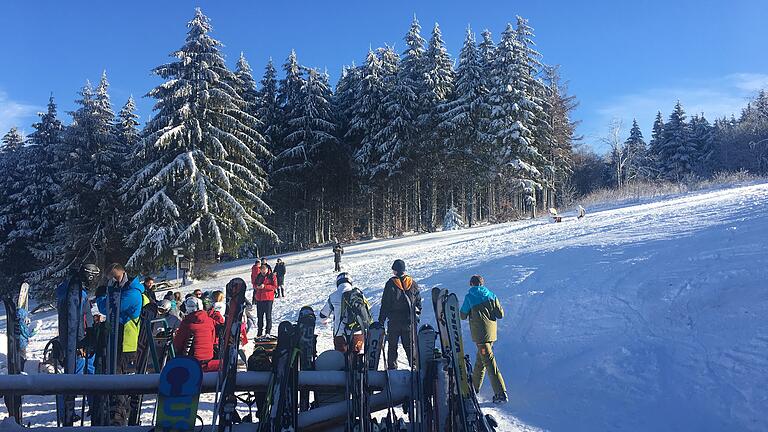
<point>398,330</point>
<point>120,405</point>
<point>264,316</point>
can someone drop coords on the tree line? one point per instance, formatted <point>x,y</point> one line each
<point>227,165</point>
<point>681,149</point>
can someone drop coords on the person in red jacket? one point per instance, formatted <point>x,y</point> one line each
<point>196,335</point>
<point>264,286</point>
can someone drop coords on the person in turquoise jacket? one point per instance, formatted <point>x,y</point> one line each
<point>482,308</point>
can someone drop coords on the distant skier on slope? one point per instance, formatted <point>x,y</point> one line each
<point>338,251</point>
<point>280,273</point>
<point>582,212</point>
<point>400,292</point>
<point>482,308</point>
<point>348,306</point>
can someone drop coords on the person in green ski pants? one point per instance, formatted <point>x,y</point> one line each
<point>482,308</point>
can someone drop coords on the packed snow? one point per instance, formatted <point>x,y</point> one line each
<point>646,316</point>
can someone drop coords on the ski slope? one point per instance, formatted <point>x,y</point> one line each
<point>645,316</point>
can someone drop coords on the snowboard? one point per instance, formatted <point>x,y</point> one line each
<point>227,401</point>
<point>23,302</point>
<point>279,408</point>
<point>70,314</point>
<point>178,395</point>
<point>307,347</point>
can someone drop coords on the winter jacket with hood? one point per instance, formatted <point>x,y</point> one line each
<point>333,307</point>
<point>202,329</point>
<point>131,302</point>
<point>394,304</point>
<point>269,282</point>
<point>483,309</point>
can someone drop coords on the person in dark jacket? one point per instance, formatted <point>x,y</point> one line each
<point>149,289</point>
<point>400,292</point>
<point>196,335</point>
<point>264,286</point>
<point>280,273</point>
<point>80,281</point>
<point>338,251</point>
<point>482,308</point>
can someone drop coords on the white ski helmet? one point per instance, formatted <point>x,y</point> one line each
<point>193,304</point>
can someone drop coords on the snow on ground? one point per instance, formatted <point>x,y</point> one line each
<point>650,316</point>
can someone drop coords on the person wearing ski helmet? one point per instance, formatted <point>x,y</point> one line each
<point>80,282</point>
<point>401,293</point>
<point>196,335</point>
<point>483,309</point>
<point>334,307</point>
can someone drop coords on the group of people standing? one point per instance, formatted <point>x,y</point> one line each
<point>400,312</point>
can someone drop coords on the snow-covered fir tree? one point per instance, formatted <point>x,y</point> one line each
<point>636,154</point>
<point>452,220</point>
<point>464,123</point>
<point>88,167</point>
<point>268,110</point>
<point>38,217</point>
<point>12,140</point>
<point>246,86</point>
<point>12,253</point>
<point>677,154</point>
<point>513,116</point>
<point>700,136</point>
<point>290,98</point>
<point>654,146</point>
<point>203,181</point>
<point>366,118</point>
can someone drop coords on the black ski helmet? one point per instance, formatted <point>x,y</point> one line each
<point>342,278</point>
<point>88,272</point>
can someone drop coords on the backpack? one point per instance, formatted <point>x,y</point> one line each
<point>355,312</point>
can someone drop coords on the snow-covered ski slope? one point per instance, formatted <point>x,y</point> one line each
<point>648,316</point>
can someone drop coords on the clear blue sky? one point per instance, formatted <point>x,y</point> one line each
<point>622,58</point>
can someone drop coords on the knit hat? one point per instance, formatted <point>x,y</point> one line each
<point>398,266</point>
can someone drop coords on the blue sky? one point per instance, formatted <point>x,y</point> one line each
<point>622,58</point>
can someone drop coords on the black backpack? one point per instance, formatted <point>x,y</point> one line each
<point>355,312</point>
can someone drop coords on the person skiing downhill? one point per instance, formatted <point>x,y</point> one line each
<point>338,251</point>
<point>401,293</point>
<point>264,286</point>
<point>80,282</point>
<point>482,308</point>
<point>334,306</point>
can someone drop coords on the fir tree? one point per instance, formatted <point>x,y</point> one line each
<point>654,147</point>
<point>268,110</point>
<point>636,152</point>
<point>366,120</point>
<point>201,188</point>
<point>12,251</point>
<point>12,141</point>
<point>513,116</point>
<point>38,216</point>
<point>88,174</point>
<point>677,154</point>
<point>701,139</point>
<point>246,86</point>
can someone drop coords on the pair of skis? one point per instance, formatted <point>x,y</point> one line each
<point>12,328</point>
<point>70,314</point>
<point>465,412</point>
<point>295,349</point>
<point>226,403</point>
